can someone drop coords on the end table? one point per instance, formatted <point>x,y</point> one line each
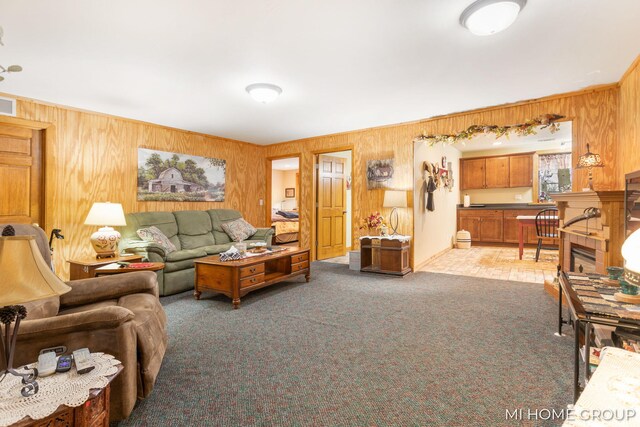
<point>86,268</point>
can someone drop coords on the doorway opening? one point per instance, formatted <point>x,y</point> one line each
<point>284,201</point>
<point>333,214</point>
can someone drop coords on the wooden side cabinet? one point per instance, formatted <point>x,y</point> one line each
<point>86,268</point>
<point>385,255</point>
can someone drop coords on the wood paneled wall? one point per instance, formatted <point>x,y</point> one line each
<point>594,113</point>
<point>92,157</point>
<point>630,120</point>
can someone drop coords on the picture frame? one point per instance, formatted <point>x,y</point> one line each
<point>289,193</point>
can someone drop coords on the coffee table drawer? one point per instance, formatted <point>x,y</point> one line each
<point>299,258</point>
<point>299,266</point>
<point>251,270</point>
<point>253,280</point>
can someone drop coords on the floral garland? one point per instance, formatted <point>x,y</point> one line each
<point>526,128</point>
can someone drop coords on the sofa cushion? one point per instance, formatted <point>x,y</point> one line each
<point>239,229</point>
<point>194,229</point>
<point>43,308</point>
<point>186,254</point>
<point>164,221</point>
<point>218,217</point>
<point>153,234</point>
<point>216,249</point>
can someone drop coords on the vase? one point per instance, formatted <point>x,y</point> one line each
<point>373,232</point>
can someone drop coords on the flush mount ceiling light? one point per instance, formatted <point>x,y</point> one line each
<point>264,92</point>
<point>487,17</point>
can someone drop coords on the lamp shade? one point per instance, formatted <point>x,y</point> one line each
<point>589,160</point>
<point>395,199</point>
<point>631,255</point>
<point>106,214</point>
<point>25,274</point>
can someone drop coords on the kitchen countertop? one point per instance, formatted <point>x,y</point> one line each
<point>507,206</point>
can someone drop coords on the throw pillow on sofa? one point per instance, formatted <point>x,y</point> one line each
<point>239,229</point>
<point>153,234</point>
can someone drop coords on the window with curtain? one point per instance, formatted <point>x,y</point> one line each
<point>554,174</point>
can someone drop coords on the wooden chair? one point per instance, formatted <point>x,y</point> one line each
<point>546,228</point>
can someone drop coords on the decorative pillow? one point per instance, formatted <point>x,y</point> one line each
<point>153,234</point>
<point>239,229</point>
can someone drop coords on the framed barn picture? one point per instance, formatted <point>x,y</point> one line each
<point>180,177</point>
<point>289,193</point>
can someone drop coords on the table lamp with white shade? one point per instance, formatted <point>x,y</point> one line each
<point>394,199</point>
<point>105,240</point>
<point>26,277</point>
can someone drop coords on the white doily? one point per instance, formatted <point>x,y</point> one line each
<point>66,388</point>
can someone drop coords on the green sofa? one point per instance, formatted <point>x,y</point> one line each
<point>195,234</point>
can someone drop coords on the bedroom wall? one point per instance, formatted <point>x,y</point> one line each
<point>92,157</point>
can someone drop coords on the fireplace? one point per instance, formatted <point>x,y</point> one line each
<point>591,244</point>
<point>582,259</point>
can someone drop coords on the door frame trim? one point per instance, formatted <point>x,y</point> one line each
<point>49,138</point>
<point>314,210</point>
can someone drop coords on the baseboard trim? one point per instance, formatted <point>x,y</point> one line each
<point>428,260</point>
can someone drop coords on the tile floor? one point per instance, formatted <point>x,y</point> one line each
<point>497,263</point>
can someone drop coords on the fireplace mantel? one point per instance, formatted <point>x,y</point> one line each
<point>605,233</point>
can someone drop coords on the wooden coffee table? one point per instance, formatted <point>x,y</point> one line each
<point>235,279</point>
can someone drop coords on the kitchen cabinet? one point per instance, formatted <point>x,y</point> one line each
<point>483,225</point>
<point>497,172</point>
<point>521,170</point>
<point>473,173</point>
<point>509,171</point>
<point>498,226</point>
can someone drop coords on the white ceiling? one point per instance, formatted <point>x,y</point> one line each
<point>343,65</point>
<point>542,140</point>
<point>289,164</point>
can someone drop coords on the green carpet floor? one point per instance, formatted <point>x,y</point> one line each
<point>350,349</point>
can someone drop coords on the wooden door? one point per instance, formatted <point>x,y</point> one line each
<point>332,207</point>
<point>21,175</point>
<point>472,173</point>
<point>497,172</point>
<point>521,171</point>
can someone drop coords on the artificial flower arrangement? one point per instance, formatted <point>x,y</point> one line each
<point>374,221</point>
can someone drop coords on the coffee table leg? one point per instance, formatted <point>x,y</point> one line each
<point>197,293</point>
<point>236,303</point>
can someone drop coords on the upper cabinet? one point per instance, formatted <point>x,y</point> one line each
<point>497,172</point>
<point>472,171</point>
<point>521,170</point>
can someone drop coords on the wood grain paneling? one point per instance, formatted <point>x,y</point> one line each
<point>594,113</point>
<point>92,157</point>
<point>630,120</point>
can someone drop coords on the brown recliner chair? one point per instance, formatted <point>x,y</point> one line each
<point>119,315</point>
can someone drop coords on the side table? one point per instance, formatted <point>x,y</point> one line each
<point>146,266</point>
<point>86,267</point>
<point>385,254</point>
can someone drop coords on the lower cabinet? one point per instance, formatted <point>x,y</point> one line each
<point>497,226</point>
<point>483,225</point>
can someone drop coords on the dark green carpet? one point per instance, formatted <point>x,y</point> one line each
<point>361,350</point>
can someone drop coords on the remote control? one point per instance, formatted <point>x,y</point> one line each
<point>64,364</point>
<point>47,363</point>
<point>82,359</point>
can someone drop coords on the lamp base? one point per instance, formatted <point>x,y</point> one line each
<point>105,242</point>
<point>8,339</point>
